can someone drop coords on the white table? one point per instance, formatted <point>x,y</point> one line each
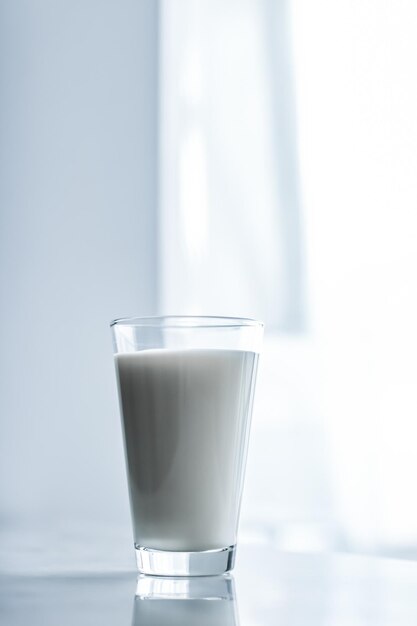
<point>271,588</point>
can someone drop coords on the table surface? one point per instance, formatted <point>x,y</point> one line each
<point>267,588</point>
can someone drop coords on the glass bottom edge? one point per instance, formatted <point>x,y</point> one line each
<point>168,563</point>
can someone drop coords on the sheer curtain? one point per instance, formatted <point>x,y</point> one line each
<point>230,210</point>
<point>233,236</point>
<point>357,97</point>
<point>288,148</point>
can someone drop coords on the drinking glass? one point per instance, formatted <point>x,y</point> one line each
<point>186,387</point>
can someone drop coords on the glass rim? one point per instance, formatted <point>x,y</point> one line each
<point>187,322</point>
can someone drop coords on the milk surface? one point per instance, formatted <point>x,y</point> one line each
<point>186,417</point>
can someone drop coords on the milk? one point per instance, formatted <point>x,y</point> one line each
<point>186,416</point>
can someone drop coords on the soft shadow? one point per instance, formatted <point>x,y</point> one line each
<point>200,601</point>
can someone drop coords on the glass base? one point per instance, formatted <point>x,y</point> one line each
<point>168,563</point>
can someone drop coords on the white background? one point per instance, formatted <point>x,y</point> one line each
<point>253,158</point>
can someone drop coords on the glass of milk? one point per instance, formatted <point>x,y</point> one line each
<point>186,388</point>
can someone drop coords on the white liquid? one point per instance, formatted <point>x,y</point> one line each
<point>186,416</point>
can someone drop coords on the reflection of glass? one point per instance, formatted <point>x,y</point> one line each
<point>186,388</point>
<point>202,601</point>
